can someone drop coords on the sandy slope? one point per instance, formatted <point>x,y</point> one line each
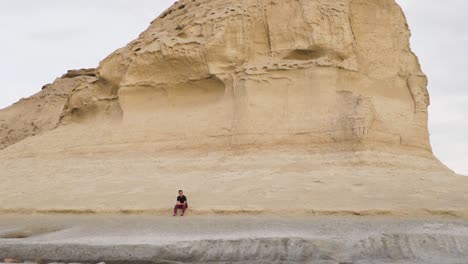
<point>135,177</point>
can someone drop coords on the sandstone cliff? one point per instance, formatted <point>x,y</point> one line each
<point>264,98</point>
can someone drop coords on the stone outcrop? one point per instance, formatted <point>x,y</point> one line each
<point>39,113</point>
<point>265,73</point>
<point>75,96</point>
<point>232,95</point>
<point>81,72</point>
<point>269,72</point>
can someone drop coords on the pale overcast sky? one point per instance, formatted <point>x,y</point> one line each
<point>42,39</point>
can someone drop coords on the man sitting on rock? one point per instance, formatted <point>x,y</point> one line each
<point>181,203</point>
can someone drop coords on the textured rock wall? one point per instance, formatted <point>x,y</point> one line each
<point>268,72</point>
<point>76,97</point>
<point>39,113</point>
<point>258,72</point>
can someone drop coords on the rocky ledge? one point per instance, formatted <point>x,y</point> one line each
<point>233,239</point>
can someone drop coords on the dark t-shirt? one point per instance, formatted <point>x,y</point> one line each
<point>182,199</point>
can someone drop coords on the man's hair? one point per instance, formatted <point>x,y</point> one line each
<point>180,191</point>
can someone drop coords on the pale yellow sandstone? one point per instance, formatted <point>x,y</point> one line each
<point>248,105</point>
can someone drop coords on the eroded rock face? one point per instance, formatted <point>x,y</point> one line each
<point>266,72</point>
<point>78,96</point>
<point>39,113</point>
<point>261,102</point>
<point>261,73</point>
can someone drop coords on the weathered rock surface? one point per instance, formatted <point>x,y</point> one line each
<point>256,102</point>
<point>275,72</point>
<point>38,113</point>
<point>238,239</point>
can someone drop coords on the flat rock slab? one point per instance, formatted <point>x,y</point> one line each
<point>227,239</point>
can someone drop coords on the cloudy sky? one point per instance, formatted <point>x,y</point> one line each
<point>41,40</point>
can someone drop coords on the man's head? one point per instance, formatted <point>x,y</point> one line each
<point>181,192</point>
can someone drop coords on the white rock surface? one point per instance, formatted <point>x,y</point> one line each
<point>239,239</point>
